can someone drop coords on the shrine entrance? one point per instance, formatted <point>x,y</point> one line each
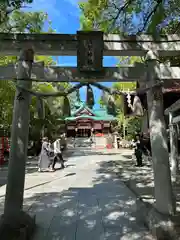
<point>83,132</point>
<point>89,47</point>
<point>85,122</point>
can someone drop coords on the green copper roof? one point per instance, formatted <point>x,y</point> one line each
<point>97,118</point>
<point>99,114</point>
<point>81,107</point>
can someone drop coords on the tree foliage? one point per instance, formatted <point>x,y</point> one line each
<point>31,22</point>
<point>115,106</point>
<point>131,16</point>
<point>8,6</point>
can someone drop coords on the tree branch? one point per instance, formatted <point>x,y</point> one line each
<point>150,15</point>
<point>120,10</point>
<point>177,28</point>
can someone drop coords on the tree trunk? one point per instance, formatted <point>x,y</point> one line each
<point>165,201</point>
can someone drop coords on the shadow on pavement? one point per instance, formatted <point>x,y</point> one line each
<point>70,174</point>
<point>139,179</point>
<point>104,211</point>
<point>31,167</point>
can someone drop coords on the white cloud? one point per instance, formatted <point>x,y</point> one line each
<point>54,9</point>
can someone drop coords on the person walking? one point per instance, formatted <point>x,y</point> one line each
<point>57,154</point>
<point>63,142</point>
<point>44,159</point>
<point>138,145</point>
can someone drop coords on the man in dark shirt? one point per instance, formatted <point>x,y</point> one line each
<point>138,145</point>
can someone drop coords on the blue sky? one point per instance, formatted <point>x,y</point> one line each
<point>64,15</point>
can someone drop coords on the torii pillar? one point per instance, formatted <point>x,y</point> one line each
<point>173,148</point>
<point>165,201</point>
<point>14,219</point>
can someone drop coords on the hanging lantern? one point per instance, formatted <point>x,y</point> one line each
<point>90,97</point>
<point>40,108</point>
<point>105,98</point>
<point>111,107</point>
<point>66,107</point>
<point>78,95</point>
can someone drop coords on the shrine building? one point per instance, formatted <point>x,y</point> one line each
<point>171,93</point>
<point>84,120</point>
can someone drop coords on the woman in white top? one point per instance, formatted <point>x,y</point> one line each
<point>57,154</point>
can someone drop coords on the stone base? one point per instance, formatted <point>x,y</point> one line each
<point>19,229</point>
<point>162,227</point>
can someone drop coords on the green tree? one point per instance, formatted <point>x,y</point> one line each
<point>112,16</point>
<point>8,6</point>
<point>125,123</point>
<point>155,17</point>
<point>18,22</point>
<point>31,22</point>
<point>91,14</point>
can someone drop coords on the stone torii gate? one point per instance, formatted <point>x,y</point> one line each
<point>174,119</point>
<point>89,48</point>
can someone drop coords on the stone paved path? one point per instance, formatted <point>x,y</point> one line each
<point>84,201</point>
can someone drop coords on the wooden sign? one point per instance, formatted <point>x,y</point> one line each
<point>90,51</point>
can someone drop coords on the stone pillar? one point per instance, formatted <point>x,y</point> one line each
<point>144,124</point>
<point>165,201</point>
<point>115,141</point>
<point>173,147</point>
<point>13,209</point>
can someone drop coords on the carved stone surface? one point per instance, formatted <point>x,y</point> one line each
<point>158,94</point>
<point>20,96</point>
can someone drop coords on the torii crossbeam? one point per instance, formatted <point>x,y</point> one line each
<point>66,44</point>
<point>109,74</point>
